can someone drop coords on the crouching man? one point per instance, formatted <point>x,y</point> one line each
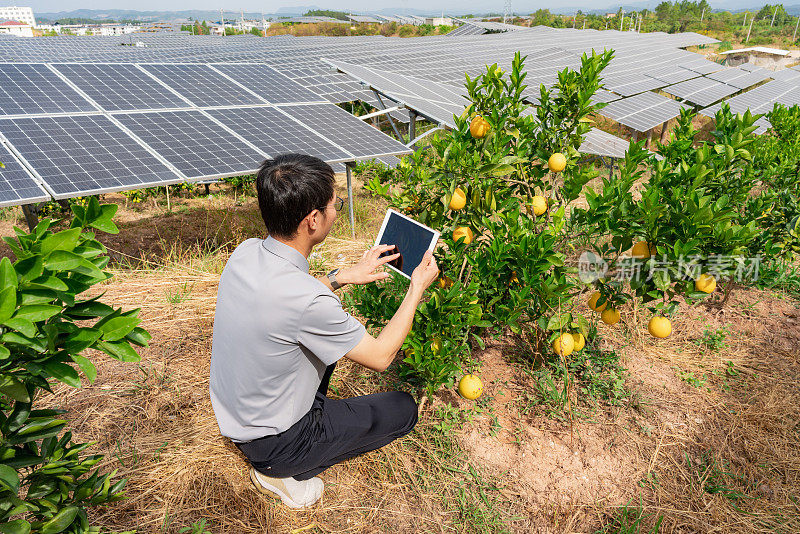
<point>278,333</point>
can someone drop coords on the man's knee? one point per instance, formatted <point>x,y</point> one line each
<point>406,411</point>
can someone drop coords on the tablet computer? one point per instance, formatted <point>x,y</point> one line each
<point>410,238</point>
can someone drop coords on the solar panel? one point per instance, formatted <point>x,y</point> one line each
<point>785,75</point>
<point>274,133</point>
<point>350,133</point>
<point>202,85</point>
<point>120,87</point>
<point>601,143</point>
<point>192,142</point>
<point>701,91</point>
<point>268,83</point>
<point>601,95</point>
<point>16,185</point>
<point>84,155</point>
<point>32,89</point>
<point>642,112</point>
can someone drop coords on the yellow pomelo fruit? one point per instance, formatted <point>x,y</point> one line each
<point>470,387</point>
<point>557,162</point>
<point>458,200</point>
<point>479,127</point>
<point>659,326</point>
<point>465,232</point>
<point>539,205</point>
<point>564,345</point>
<point>643,250</point>
<point>705,283</point>
<point>579,341</point>
<point>593,302</point>
<point>610,316</point>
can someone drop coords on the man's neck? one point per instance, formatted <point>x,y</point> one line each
<point>301,245</point>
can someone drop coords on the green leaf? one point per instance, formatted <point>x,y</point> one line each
<point>139,336</point>
<point>37,312</point>
<point>50,282</point>
<point>105,225</point>
<point>81,339</point>
<point>65,240</point>
<point>86,366</point>
<point>118,327</point>
<point>22,325</point>
<point>18,526</point>
<point>8,276</point>
<point>29,268</point>
<point>558,322</point>
<point>62,260</point>
<point>9,479</point>
<point>8,302</point>
<point>12,387</point>
<point>64,373</point>
<point>61,521</point>
<point>120,350</point>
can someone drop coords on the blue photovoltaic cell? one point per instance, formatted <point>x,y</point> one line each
<point>193,143</point>
<point>202,85</point>
<point>16,185</point>
<point>350,133</point>
<point>34,89</point>
<point>268,83</point>
<point>275,133</point>
<point>84,155</point>
<point>120,87</point>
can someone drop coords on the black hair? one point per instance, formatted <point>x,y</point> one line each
<point>291,186</point>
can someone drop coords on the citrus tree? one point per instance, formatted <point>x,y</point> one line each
<point>776,205</point>
<point>671,227</point>
<point>46,482</point>
<point>496,186</point>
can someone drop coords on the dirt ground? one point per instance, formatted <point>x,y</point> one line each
<point>706,440</point>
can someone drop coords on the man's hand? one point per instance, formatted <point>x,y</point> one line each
<point>363,272</point>
<point>426,272</point>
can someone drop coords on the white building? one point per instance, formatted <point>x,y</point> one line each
<point>20,14</point>
<point>439,21</point>
<point>12,27</point>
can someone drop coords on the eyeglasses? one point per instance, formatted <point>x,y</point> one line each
<point>338,204</point>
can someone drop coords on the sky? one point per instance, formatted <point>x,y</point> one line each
<point>455,6</point>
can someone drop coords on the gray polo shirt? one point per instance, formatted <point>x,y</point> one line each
<point>276,328</point>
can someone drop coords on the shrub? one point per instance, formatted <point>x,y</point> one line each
<point>687,212</point>
<point>514,272</point>
<point>45,483</point>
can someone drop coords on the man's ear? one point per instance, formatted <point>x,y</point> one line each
<point>312,220</point>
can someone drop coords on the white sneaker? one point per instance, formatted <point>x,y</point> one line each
<point>293,493</point>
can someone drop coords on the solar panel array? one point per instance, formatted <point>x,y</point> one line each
<point>76,129</point>
<point>268,95</point>
<point>450,102</point>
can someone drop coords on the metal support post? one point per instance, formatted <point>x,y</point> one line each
<point>611,169</point>
<point>31,217</point>
<point>412,126</point>
<point>664,132</point>
<point>350,198</point>
<point>750,29</point>
<point>389,118</point>
<point>794,37</point>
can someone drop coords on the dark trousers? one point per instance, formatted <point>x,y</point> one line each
<point>331,432</point>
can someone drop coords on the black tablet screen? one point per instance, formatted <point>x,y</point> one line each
<point>411,240</point>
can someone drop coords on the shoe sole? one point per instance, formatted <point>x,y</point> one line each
<point>275,493</point>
